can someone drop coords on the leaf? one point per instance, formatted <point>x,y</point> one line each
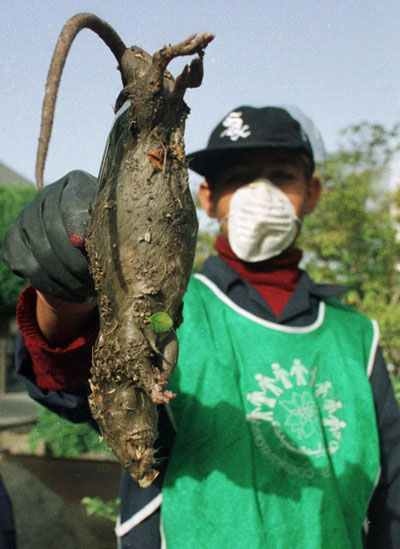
<point>97,506</point>
<point>157,158</point>
<point>161,322</point>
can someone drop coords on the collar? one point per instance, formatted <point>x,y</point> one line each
<point>275,278</point>
<point>301,307</point>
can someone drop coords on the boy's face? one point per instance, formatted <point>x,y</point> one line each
<point>287,175</point>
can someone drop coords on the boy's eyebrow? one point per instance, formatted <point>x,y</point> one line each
<point>283,159</point>
<point>282,167</point>
<point>239,170</point>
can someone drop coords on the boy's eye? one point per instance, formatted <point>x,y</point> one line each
<point>281,176</point>
<point>244,179</point>
<point>241,179</point>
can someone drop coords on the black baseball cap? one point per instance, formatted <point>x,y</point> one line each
<point>250,128</point>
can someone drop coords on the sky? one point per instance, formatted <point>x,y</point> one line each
<point>337,60</point>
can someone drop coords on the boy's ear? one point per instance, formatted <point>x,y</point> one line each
<point>206,199</point>
<point>313,194</point>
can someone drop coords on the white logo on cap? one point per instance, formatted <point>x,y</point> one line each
<point>235,127</point>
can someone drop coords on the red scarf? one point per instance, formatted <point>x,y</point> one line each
<point>275,279</point>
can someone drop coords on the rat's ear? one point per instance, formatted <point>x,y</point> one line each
<point>206,199</point>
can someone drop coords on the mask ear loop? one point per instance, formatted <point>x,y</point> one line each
<point>299,223</point>
<point>222,221</point>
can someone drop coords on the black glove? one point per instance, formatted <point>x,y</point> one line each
<point>45,244</point>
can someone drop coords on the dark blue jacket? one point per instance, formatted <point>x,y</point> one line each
<point>7,529</point>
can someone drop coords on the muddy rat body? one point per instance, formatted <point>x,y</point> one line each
<point>141,246</point>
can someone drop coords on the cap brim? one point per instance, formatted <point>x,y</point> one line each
<point>207,161</point>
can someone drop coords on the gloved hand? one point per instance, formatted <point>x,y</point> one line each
<point>45,243</point>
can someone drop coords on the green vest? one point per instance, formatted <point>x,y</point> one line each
<point>277,443</point>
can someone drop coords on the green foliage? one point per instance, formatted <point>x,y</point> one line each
<point>396,386</point>
<point>161,322</point>
<point>12,199</point>
<point>205,248</point>
<point>351,237</point>
<point>97,506</point>
<point>366,146</point>
<point>63,438</point>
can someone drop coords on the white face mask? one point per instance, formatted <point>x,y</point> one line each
<point>262,222</point>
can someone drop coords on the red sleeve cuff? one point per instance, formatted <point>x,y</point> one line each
<point>54,368</point>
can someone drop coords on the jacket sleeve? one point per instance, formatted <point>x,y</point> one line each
<point>71,404</point>
<point>55,378</point>
<point>7,525</point>
<point>384,508</point>
<point>54,367</point>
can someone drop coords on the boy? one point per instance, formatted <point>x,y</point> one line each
<point>285,431</point>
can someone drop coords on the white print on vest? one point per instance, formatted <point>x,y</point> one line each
<point>299,370</point>
<point>282,375</point>
<point>301,412</point>
<point>302,415</point>
<point>288,468</point>
<point>235,127</point>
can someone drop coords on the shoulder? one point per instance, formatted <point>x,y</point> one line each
<point>341,308</point>
<point>215,275</point>
<point>330,294</point>
<point>200,291</point>
<point>353,325</point>
<point>338,305</point>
